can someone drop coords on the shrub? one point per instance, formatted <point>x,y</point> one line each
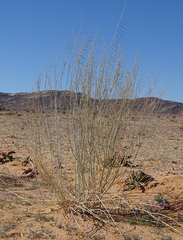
<point>100,85</point>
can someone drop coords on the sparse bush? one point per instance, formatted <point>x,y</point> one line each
<point>99,127</point>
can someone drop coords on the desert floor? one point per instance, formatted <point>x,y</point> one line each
<point>28,212</point>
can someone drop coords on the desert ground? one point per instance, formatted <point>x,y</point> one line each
<point>27,210</point>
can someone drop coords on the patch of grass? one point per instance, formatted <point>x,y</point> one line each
<point>133,237</point>
<point>158,232</point>
<point>8,227</point>
<point>26,204</point>
<point>144,219</point>
<point>30,196</point>
<point>42,217</point>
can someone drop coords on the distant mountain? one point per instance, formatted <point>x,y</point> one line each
<point>28,101</point>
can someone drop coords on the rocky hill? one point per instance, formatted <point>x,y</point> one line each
<point>28,101</point>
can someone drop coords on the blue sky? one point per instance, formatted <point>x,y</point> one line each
<point>28,29</point>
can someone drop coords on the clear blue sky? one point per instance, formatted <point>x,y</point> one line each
<point>28,28</point>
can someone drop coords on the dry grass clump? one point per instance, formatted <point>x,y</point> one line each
<point>97,133</point>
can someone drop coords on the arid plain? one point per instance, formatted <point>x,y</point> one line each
<point>28,211</point>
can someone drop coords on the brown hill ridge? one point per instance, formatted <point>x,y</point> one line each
<point>26,101</point>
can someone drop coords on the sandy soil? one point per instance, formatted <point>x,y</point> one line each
<point>28,213</point>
